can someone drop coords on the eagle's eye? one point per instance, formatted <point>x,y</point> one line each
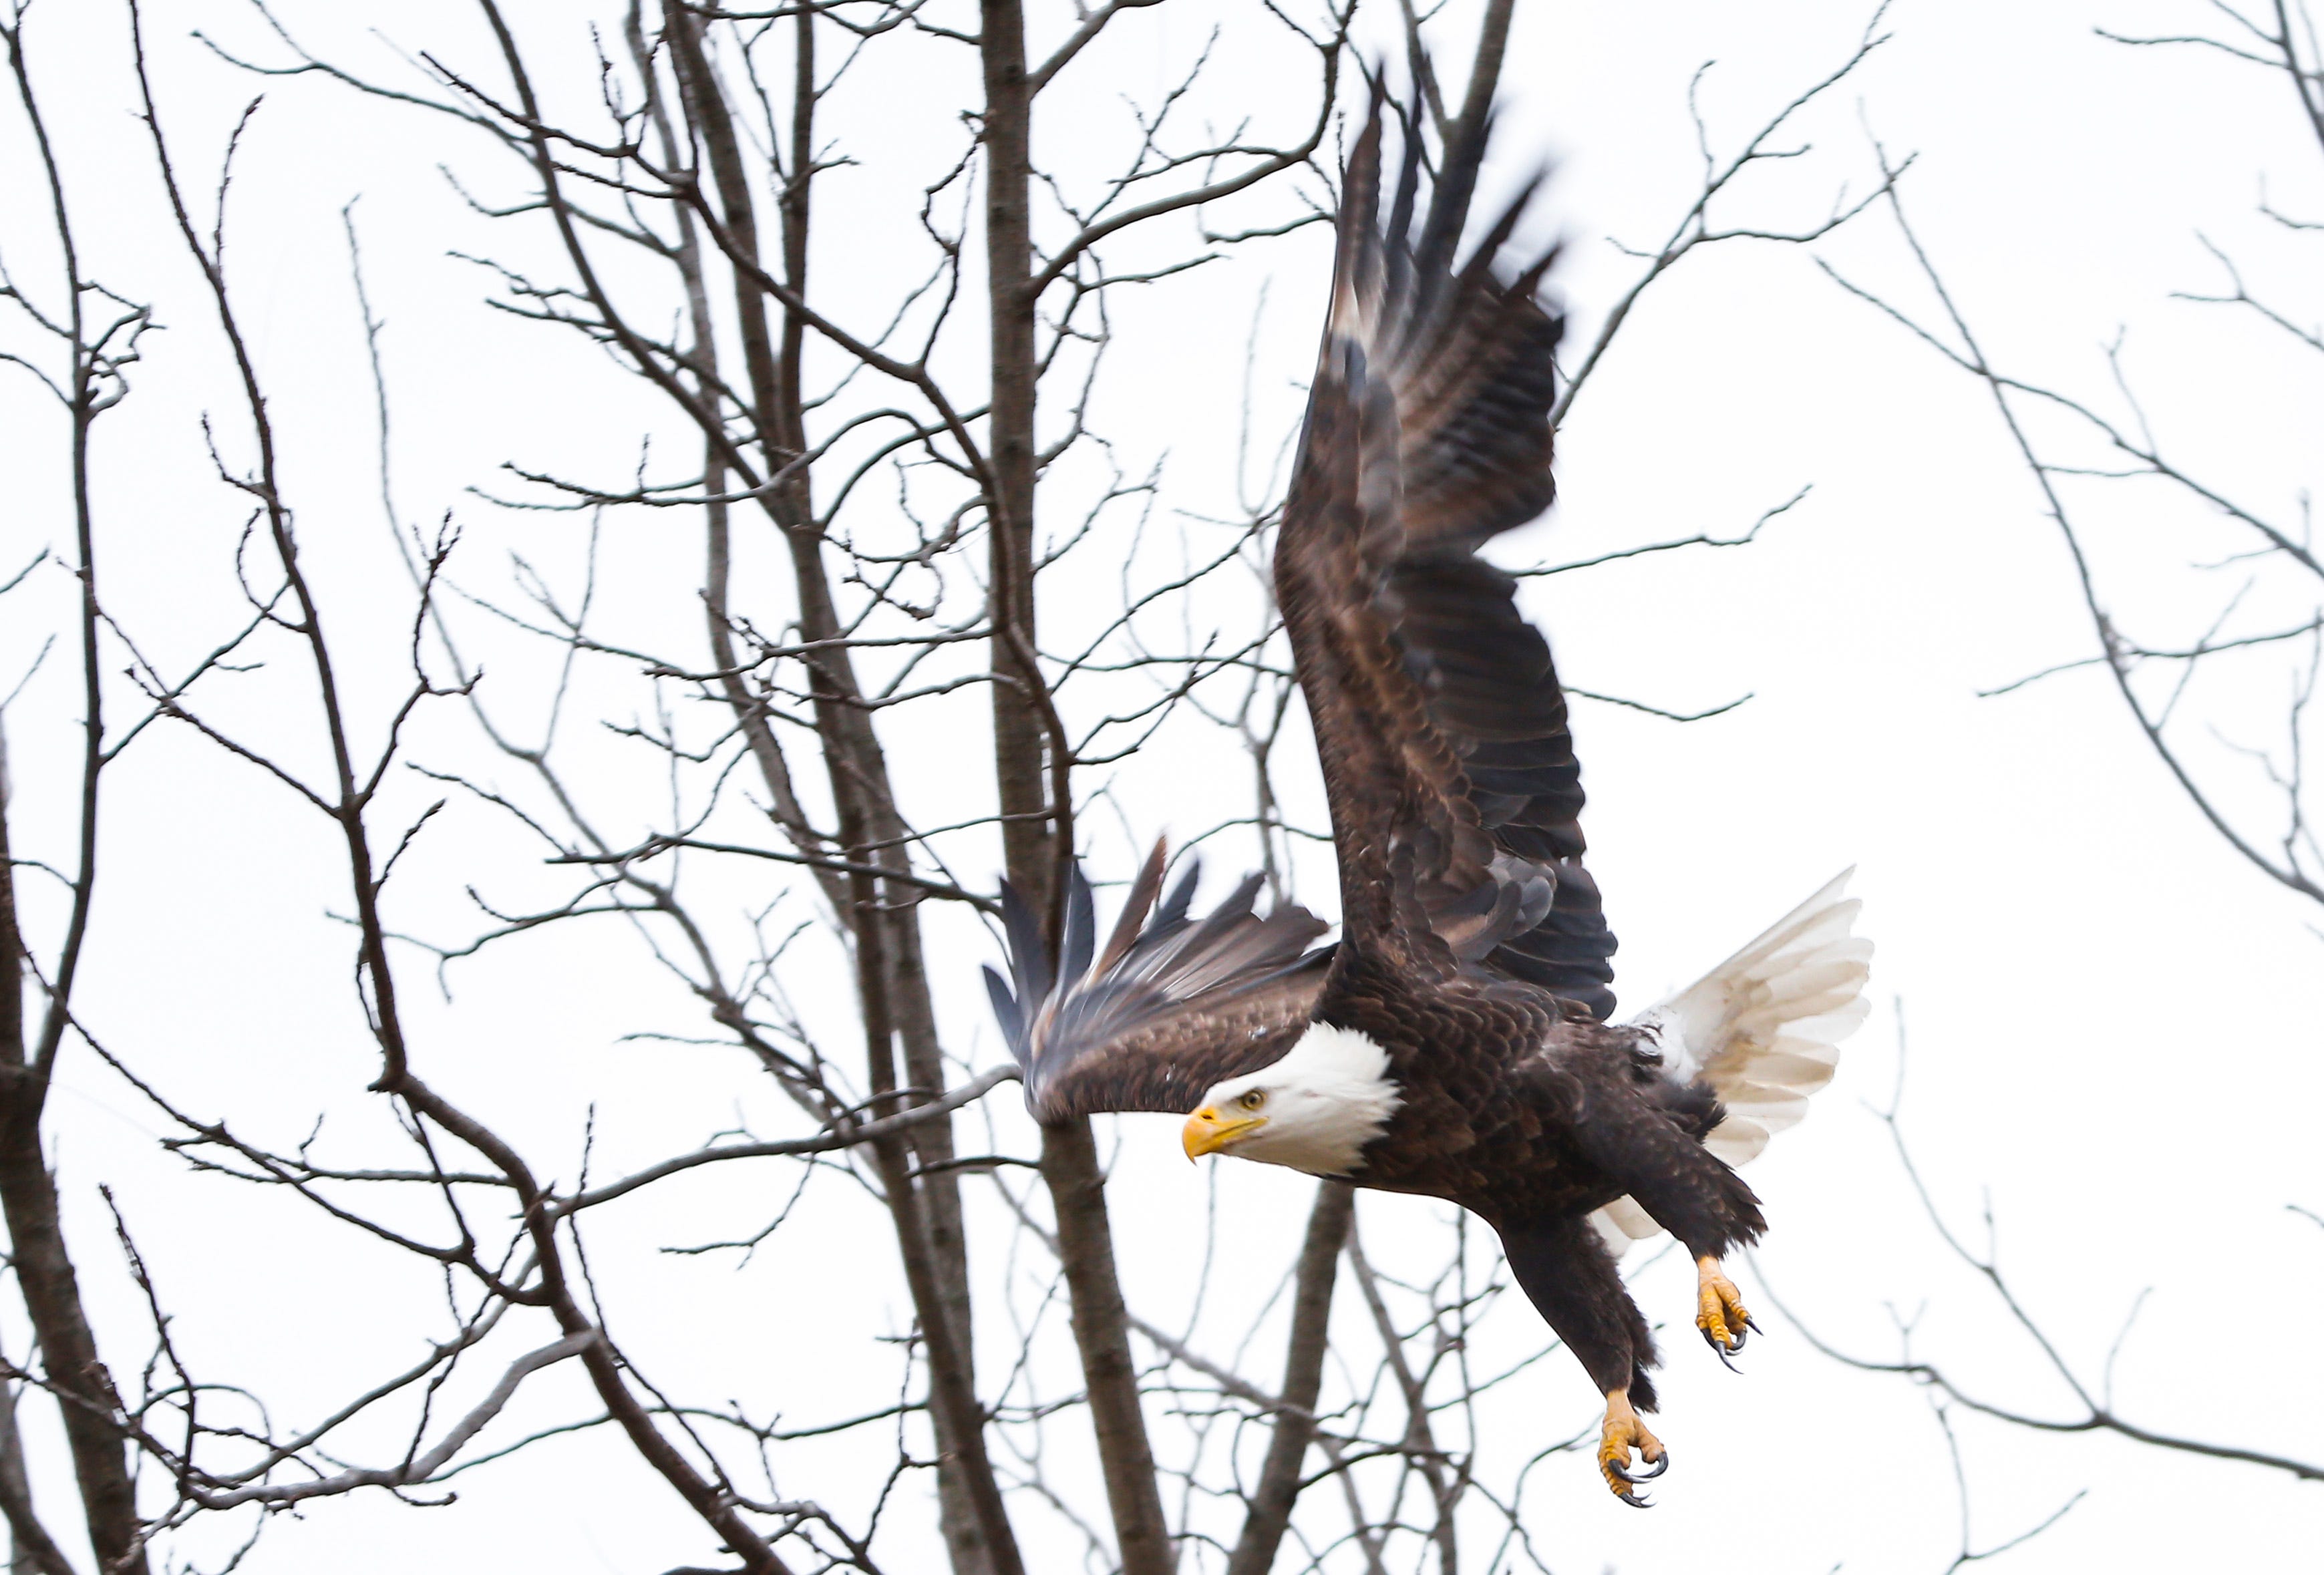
<point>1252,1100</point>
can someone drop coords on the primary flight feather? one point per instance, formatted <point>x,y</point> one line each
<point>1455,1041</point>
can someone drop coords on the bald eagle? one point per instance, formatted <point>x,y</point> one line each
<point>1457,1040</point>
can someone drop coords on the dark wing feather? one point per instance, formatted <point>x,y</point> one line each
<point>1173,1056</point>
<point>1447,758</point>
<point>1492,690</point>
<point>1167,1008</point>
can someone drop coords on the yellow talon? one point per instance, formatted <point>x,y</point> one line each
<point>1622,1433</point>
<point>1721,1315</point>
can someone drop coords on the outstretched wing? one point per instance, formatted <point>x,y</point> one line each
<point>1455,793</point>
<point>1764,1029</point>
<point>1169,1006</point>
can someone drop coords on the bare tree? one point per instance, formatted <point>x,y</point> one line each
<point>2217,662</point>
<point>2224,695</point>
<point>83,338</point>
<point>907,509</point>
<point>2092,1406</point>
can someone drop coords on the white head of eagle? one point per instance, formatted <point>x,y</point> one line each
<point>1313,1111</point>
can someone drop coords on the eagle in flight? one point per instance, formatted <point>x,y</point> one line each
<point>1457,1041</point>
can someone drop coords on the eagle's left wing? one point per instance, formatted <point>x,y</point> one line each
<point>1170,1005</point>
<point>1447,759</point>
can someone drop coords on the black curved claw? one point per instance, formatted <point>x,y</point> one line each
<point>1635,1502</point>
<point>1720,1350</point>
<point>1660,1467</point>
<point>1737,1331</point>
<point>1752,1324</point>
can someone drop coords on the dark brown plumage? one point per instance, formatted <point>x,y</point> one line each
<point>1473,949</point>
<point>1165,1012</point>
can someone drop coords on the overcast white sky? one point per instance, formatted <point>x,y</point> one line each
<point>2116,1026</point>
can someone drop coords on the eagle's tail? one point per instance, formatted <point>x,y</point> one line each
<point>1764,1029</point>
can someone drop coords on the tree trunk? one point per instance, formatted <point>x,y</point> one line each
<point>31,1550</point>
<point>1068,1152</point>
<point>1101,1332</point>
<point>44,1272</point>
<point>869,827</point>
<point>1303,1380</point>
<point>1019,746</point>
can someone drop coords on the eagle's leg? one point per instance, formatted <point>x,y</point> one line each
<point>1643,1148</point>
<point>1622,1433</point>
<point>1568,1274</point>
<point>1720,1313</point>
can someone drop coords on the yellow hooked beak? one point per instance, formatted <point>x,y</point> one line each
<point>1208,1131</point>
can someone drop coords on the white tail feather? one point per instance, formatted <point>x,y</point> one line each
<point>1765,1028</point>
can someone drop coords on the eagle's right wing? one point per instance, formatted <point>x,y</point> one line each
<point>1168,1008</point>
<point>1764,1029</point>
